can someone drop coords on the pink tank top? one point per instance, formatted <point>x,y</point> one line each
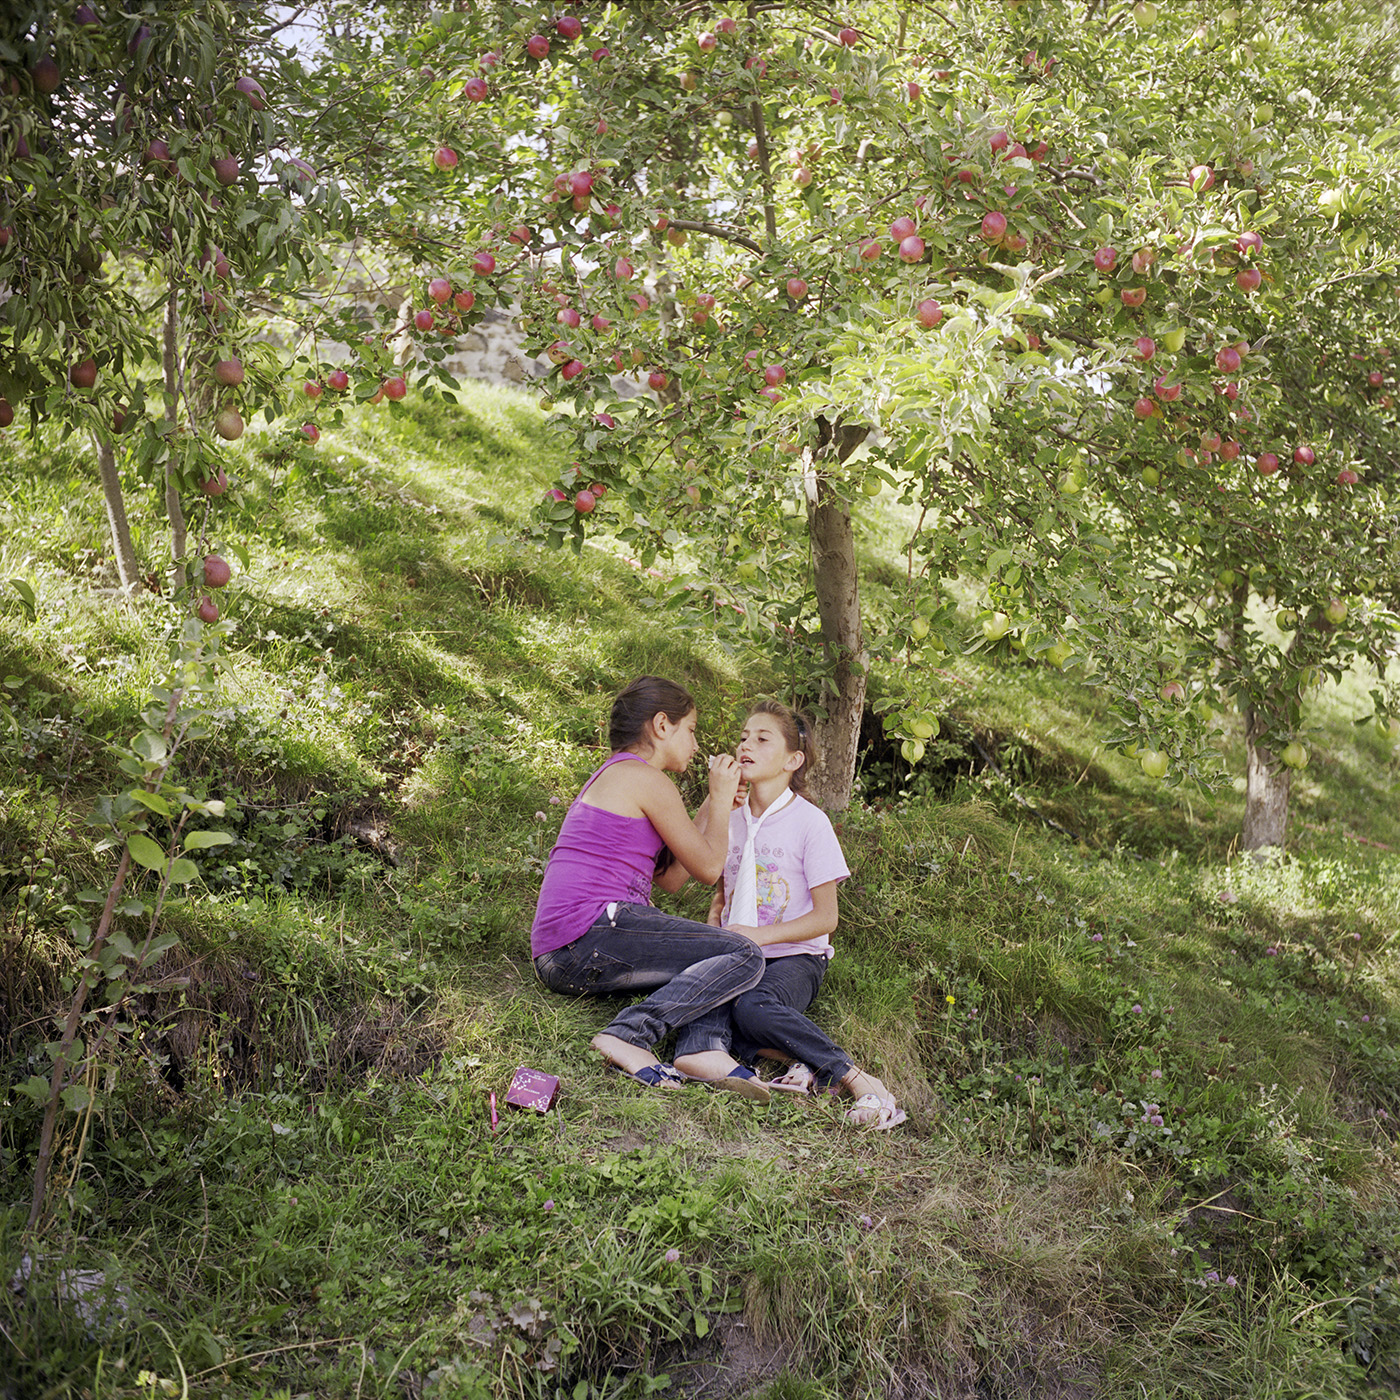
<point>599,857</point>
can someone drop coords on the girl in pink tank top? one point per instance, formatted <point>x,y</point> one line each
<point>595,931</point>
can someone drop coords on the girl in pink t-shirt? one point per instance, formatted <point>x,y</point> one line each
<point>779,888</point>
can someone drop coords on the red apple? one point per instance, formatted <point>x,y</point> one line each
<point>1267,463</point>
<point>915,92</point>
<point>228,424</point>
<point>1229,450</point>
<point>1106,259</point>
<point>849,37</point>
<point>439,290</point>
<point>1249,243</point>
<point>226,170</point>
<point>773,375</point>
<point>157,153</point>
<point>84,374</point>
<point>46,76</point>
<point>537,46</point>
<point>902,228</point>
<point>7,414</point>
<point>216,571</point>
<point>1210,441</point>
<point>657,380</point>
<point>395,387</point>
<point>483,264</point>
<point>1347,477</point>
<point>338,380</point>
<point>1168,393</point>
<point>929,313</point>
<point>229,372</point>
<point>560,352</point>
<point>85,16</point>
<point>606,419</point>
<point>555,494</point>
<point>1202,177</point>
<point>706,42</point>
<point>999,140</point>
<point>313,433</point>
<point>521,234</point>
<point>445,158</point>
<point>423,319</point>
<point>572,370</point>
<point>1133,296</point>
<point>796,288</point>
<point>1174,690</point>
<point>623,269</point>
<point>476,89</point>
<point>567,316</point>
<point>1375,378</point>
<point>599,489</point>
<point>208,610</point>
<point>1227,359</point>
<point>911,249</point>
<point>1304,455</point>
<point>1247,279</point>
<point>584,501</point>
<point>1145,347</point>
<point>1144,408</point>
<point>1142,260</point>
<point>725,25</point>
<point>993,227</point>
<point>312,389</point>
<point>252,90</point>
<point>869,250</point>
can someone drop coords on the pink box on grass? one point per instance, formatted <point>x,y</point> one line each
<point>532,1088</point>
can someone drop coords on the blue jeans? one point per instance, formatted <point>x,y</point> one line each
<point>689,968</point>
<point>770,1018</point>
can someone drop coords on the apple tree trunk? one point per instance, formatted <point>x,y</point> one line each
<point>173,509</point>
<point>1266,790</point>
<point>837,587</point>
<point>127,570</point>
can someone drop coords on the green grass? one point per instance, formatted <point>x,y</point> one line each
<point>289,1179</point>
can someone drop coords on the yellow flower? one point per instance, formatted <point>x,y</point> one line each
<point>950,999</point>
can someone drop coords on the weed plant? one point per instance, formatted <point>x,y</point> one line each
<point>1152,1086</point>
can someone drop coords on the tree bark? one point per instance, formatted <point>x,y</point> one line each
<point>1267,783</point>
<point>174,511</point>
<point>837,586</point>
<point>127,570</point>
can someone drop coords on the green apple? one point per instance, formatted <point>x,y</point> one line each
<point>1336,611</point>
<point>747,570</point>
<point>872,485</point>
<point>923,726</point>
<point>995,627</point>
<point>1154,763</point>
<point>1058,654</point>
<point>912,749</point>
<point>918,628</point>
<point>1174,339</point>
<point>1294,755</point>
<point>1287,619</point>
<point>1151,476</point>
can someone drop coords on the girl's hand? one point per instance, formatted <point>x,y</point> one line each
<point>725,774</point>
<point>741,796</point>
<point>746,930</point>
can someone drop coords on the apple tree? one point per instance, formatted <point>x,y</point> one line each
<point>1017,269</point>
<point>153,215</point>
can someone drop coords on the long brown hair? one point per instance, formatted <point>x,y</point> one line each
<point>629,723</point>
<point>796,729</point>
<point>639,703</point>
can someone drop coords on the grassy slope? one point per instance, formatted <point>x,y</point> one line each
<point>296,1166</point>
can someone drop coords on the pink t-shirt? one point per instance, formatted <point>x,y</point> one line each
<point>796,850</point>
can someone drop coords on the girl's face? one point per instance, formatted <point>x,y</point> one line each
<point>676,741</point>
<point>763,751</point>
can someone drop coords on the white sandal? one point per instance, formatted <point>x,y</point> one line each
<point>799,1079</point>
<point>871,1111</point>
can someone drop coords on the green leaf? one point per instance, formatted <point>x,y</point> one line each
<point>153,801</point>
<point>26,596</point>
<point>76,1098</point>
<point>183,871</point>
<point>150,746</point>
<point>702,1325</point>
<point>145,852</point>
<point>206,840</point>
<point>35,1088</point>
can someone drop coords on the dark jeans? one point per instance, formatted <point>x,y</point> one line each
<point>770,1018</point>
<point>689,968</point>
